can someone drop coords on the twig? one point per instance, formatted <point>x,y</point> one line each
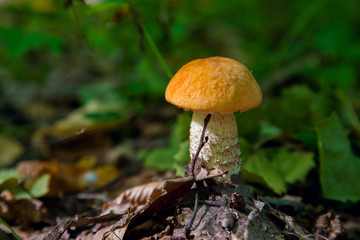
<point>188,226</point>
<point>212,203</point>
<point>192,169</point>
<point>59,229</point>
<point>201,145</point>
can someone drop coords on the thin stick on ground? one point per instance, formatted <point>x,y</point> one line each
<point>196,207</point>
<point>201,145</point>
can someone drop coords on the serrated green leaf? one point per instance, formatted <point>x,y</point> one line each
<point>41,186</point>
<point>260,165</point>
<point>279,167</point>
<point>293,167</point>
<point>339,167</point>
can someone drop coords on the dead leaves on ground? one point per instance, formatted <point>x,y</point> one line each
<point>68,177</point>
<point>21,211</point>
<point>132,207</point>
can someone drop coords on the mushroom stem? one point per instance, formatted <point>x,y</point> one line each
<point>222,149</point>
<point>202,142</point>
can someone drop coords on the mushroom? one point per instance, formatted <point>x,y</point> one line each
<point>219,86</point>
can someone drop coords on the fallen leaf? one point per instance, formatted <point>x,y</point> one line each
<point>64,177</point>
<point>22,211</point>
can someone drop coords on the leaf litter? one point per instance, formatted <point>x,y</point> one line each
<point>145,200</point>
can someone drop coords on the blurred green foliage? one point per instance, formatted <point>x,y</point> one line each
<point>277,167</point>
<point>176,154</point>
<point>339,167</point>
<point>305,56</point>
<point>10,179</point>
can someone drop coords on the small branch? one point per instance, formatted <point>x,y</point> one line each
<point>201,145</point>
<point>191,171</point>
<point>196,207</point>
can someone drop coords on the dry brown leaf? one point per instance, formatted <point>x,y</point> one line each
<point>145,200</point>
<point>329,225</point>
<point>149,192</point>
<point>58,230</point>
<point>114,232</point>
<point>22,211</point>
<point>82,221</point>
<point>139,195</point>
<point>67,177</point>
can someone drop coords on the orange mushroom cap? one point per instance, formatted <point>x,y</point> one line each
<point>215,84</point>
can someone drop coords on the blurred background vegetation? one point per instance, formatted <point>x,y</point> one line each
<point>83,82</point>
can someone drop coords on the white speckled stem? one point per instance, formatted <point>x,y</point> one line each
<point>222,149</point>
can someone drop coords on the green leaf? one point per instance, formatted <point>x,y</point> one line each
<point>161,159</point>
<point>260,165</point>
<point>41,186</point>
<point>293,167</point>
<point>339,167</point>
<point>347,112</point>
<point>9,181</point>
<point>11,184</point>
<point>279,167</point>
<point>6,174</point>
